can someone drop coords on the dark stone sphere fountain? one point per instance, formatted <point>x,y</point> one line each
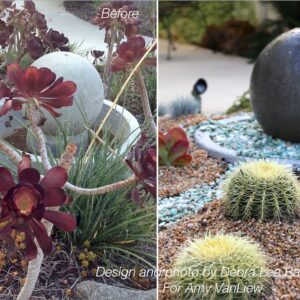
<point>275,87</point>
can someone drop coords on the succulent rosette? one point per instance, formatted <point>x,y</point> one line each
<point>173,148</point>
<point>24,204</point>
<point>5,4</point>
<point>97,54</point>
<point>35,47</point>
<point>142,161</point>
<point>130,52</point>
<point>99,20</point>
<point>36,86</point>
<point>29,5</point>
<point>120,4</point>
<point>107,22</point>
<point>57,40</point>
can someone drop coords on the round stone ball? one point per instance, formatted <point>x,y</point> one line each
<point>89,95</point>
<point>275,87</point>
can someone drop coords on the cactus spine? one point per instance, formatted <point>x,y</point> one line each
<point>262,190</point>
<point>222,267</point>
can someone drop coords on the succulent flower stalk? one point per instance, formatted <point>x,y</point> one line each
<point>68,157</point>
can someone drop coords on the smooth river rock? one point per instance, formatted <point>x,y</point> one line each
<point>91,290</point>
<point>275,87</point>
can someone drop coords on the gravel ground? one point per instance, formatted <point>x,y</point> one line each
<point>248,139</point>
<point>165,123</point>
<point>183,190</point>
<point>280,241</point>
<point>202,169</point>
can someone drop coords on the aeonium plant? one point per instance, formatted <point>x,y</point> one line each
<point>116,17</point>
<point>129,53</point>
<point>116,27</point>
<point>25,203</point>
<point>38,87</point>
<point>127,56</point>
<point>142,161</point>
<point>24,32</point>
<point>173,148</point>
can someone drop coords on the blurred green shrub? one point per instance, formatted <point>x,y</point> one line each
<point>210,24</point>
<point>241,104</point>
<point>188,20</point>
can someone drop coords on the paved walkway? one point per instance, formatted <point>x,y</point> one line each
<point>84,34</point>
<point>228,77</point>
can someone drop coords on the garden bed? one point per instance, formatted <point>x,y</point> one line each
<point>165,123</point>
<point>65,268</point>
<point>182,191</point>
<point>203,169</point>
<point>279,240</point>
<point>197,209</point>
<point>241,137</point>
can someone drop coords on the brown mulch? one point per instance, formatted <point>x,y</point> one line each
<point>60,272</point>
<point>279,240</point>
<point>165,123</point>
<point>202,169</point>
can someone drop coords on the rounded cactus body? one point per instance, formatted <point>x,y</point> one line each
<point>221,267</point>
<point>262,190</point>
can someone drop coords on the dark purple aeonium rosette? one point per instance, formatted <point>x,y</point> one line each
<point>57,40</point>
<point>142,161</point>
<point>37,86</point>
<point>35,47</point>
<point>23,205</point>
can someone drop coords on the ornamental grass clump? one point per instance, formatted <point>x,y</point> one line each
<point>224,266</point>
<point>262,190</point>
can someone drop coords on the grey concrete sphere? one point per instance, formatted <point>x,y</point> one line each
<point>89,95</point>
<point>275,87</point>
